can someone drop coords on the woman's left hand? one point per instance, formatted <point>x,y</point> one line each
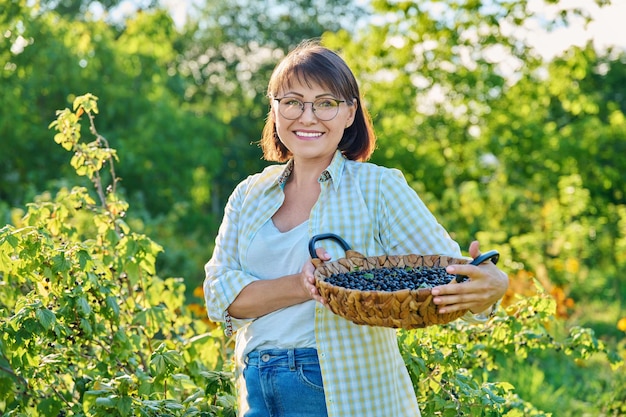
<point>485,286</point>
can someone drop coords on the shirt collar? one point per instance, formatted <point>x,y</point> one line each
<point>284,176</point>
<point>332,172</point>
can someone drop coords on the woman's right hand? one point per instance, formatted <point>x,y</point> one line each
<point>308,279</point>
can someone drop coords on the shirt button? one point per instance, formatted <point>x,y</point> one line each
<point>265,357</point>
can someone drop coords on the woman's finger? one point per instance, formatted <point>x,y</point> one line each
<point>474,249</point>
<point>322,254</point>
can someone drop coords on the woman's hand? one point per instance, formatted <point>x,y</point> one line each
<point>487,284</point>
<point>308,280</point>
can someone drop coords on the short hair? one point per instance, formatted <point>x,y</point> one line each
<point>311,63</point>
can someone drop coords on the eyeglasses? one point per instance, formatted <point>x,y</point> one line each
<point>324,108</point>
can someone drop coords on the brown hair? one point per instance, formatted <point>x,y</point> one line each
<point>310,63</point>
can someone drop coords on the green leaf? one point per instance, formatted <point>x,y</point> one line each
<point>165,362</point>
<point>212,382</point>
<point>60,263</point>
<point>124,406</point>
<point>50,406</point>
<point>107,402</point>
<point>151,319</point>
<point>171,405</point>
<point>11,240</point>
<point>158,364</point>
<point>85,325</point>
<point>83,258</point>
<point>112,306</point>
<point>506,386</point>
<point>83,306</point>
<point>46,318</point>
<point>132,271</point>
<point>514,413</point>
<point>64,141</point>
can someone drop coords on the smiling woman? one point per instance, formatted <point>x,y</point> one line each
<point>260,279</point>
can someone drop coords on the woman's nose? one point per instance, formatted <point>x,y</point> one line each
<point>308,114</point>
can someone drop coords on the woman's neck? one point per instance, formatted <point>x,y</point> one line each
<point>308,171</point>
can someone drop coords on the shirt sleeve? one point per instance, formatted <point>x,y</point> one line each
<point>224,274</point>
<point>407,225</point>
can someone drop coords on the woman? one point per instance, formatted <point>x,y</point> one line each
<point>297,357</point>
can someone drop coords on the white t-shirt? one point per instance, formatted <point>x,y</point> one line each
<point>274,254</point>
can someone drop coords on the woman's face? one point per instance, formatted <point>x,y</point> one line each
<point>307,136</point>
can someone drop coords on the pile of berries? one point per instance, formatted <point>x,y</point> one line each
<point>391,279</point>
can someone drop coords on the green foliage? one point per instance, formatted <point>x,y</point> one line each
<point>452,366</point>
<point>87,327</point>
<point>134,68</point>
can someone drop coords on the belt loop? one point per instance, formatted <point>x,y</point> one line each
<point>291,355</point>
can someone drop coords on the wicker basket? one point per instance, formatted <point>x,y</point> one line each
<point>407,309</point>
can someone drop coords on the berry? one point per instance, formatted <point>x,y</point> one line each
<point>391,279</point>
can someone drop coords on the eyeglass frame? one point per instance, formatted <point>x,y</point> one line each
<point>312,103</point>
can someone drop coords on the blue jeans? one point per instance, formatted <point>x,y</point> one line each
<point>284,383</point>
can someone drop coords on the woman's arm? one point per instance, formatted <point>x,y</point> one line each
<point>265,296</point>
<point>225,277</point>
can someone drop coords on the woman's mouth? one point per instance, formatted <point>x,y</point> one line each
<point>308,135</point>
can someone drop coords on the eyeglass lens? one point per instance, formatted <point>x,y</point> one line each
<point>324,108</point>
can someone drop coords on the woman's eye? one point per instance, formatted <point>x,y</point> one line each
<point>293,103</point>
<point>325,103</point>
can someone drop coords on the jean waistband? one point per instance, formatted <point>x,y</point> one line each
<point>282,357</point>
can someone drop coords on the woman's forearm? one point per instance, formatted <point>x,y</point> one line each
<point>267,295</point>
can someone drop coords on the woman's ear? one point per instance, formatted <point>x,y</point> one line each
<point>353,107</point>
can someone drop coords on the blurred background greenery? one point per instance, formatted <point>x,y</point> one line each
<point>523,151</point>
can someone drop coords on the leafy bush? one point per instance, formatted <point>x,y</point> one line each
<point>452,366</point>
<point>87,327</point>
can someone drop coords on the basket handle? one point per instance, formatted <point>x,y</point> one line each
<point>322,236</point>
<point>492,255</point>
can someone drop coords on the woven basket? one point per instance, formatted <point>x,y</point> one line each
<point>407,309</point>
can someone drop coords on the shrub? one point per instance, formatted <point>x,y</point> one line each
<point>87,327</point>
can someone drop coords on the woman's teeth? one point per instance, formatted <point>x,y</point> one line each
<point>309,134</point>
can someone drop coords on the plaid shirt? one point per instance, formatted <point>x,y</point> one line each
<point>376,212</point>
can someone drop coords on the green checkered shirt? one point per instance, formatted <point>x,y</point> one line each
<point>376,212</point>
